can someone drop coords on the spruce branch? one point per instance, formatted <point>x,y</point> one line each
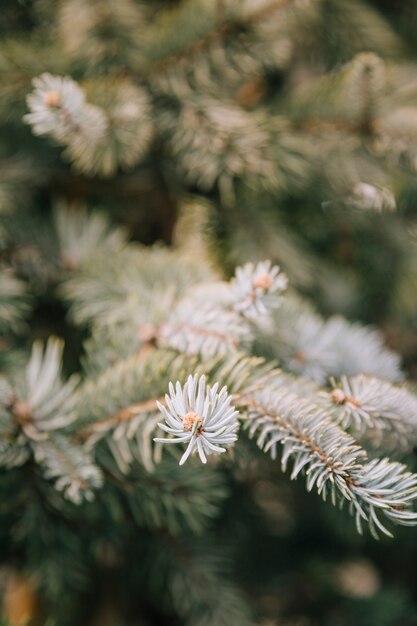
<point>125,414</point>
<point>139,286</point>
<point>14,301</point>
<point>71,467</point>
<point>128,434</point>
<point>374,410</point>
<point>43,403</point>
<point>207,140</point>
<point>331,460</point>
<point>257,289</point>
<point>37,410</point>
<point>98,138</point>
<point>81,234</point>
<point>129,132</point>
<point>344,99</point>
<point>163,499</point>
<point>202,418</point>
<point>101,33</point>
<point>217,27</point>
<point>316,348</point>
<point>209,330</point>
<point>58,108</point>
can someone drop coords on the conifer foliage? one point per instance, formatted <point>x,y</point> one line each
<point>194,367</point>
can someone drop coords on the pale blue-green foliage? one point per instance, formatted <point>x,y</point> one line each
<point>187,70</point>
<point>202,128</point>
<point>209,329</point>
<point>164,498</point>
<point>101,32</point>
<point>338,94</point>
<point>127,311</point>
<point>203,418</point>
<point>82,234</point>
<point>12,453</point>
<point>156,317</point>
<point>121,288</point>
<point>98,139</point>
<point>331,459</point>
<point>317,348</point>
<point>51,402</point>
<point>130,383</point>
<point>58,108</point>
<point>334,463</point>
<point>37,410</point>
<point>129,130</point>
<point>382,414</point>
<point>257,289</point>
<point>214,143</point>
<point>14,301</point>
<point>183,89</point>
<point>70,466</point>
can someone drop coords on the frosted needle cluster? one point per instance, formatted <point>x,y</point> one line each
<point>257,288</point>
<point>58,108</point>
<point>56,105</point>
<point>199,416</point>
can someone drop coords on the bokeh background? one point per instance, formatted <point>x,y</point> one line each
<point>279,129</point>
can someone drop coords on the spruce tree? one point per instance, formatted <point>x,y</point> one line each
<point>207,290</point>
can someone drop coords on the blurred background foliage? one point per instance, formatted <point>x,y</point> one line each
<point>291,127</point>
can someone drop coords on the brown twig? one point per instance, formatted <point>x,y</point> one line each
<point>205,332</point>
<point>123,415</point>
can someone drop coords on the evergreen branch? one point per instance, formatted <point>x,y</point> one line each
<point>100,32</point>
<point>127,413</point>
<point>236,371</point>
<point>138,286</point>
<point>208,330</point>
<point>129,430</point>
<point>316,348</point>
<point>216,143</point>
<point>39,403</point>
<point>35,412</point>
<point>58,108</point>
<point>375,410</point>
<point>264,12</point>
<point>346,97</point>
<point>98,139</point>
<point>331,459</point>
<point>71,467</point>
<point>220,32</point>
<point>128,391</point>
<point>164,499</point>
<point>201,332</point>
<point>14,301</point>
<point>82,234</point>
